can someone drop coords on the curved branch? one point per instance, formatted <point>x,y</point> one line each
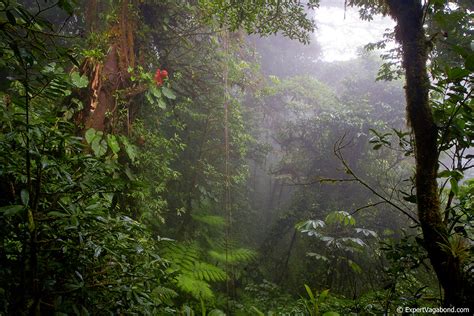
<point>338,146</point>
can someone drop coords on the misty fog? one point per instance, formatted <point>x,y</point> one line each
<point>220,157</point>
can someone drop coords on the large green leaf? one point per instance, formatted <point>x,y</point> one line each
<point>130,149</point>
<point>90,135</point>
<point>113,143</point>
<point>79,81</point>
<point>99,146</point>
<point>167,92</point>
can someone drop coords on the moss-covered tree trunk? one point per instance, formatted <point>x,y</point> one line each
<point>410,33</point>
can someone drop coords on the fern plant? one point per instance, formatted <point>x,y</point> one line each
<point>228,252</point>
<point>192,275</point>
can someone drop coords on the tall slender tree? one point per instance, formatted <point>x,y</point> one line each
<point>410,15</point>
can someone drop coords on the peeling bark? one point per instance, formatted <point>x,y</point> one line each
<point>108,77</point>
<point>110,82</point>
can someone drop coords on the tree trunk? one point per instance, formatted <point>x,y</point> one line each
<point>410,33</point>
<point>111,75</point>
<point>105,102</point>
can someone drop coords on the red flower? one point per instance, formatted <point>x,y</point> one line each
<point>159,76</point>
<point>164,74</point>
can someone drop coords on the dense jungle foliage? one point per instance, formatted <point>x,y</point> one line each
<point>199,157</point>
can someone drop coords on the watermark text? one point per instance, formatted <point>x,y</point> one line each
<point>432,310</point>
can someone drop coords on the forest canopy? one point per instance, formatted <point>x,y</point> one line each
<point>186,157</point>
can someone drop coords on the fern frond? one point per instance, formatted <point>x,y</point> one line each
<point>197,288</point>
<point>234,256</point>
<point>163,294</point>
<point>180,253</point>
<point>228,251</point>
<point>222,244</point>
<point>208,272</point>
<point>192,274</point>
